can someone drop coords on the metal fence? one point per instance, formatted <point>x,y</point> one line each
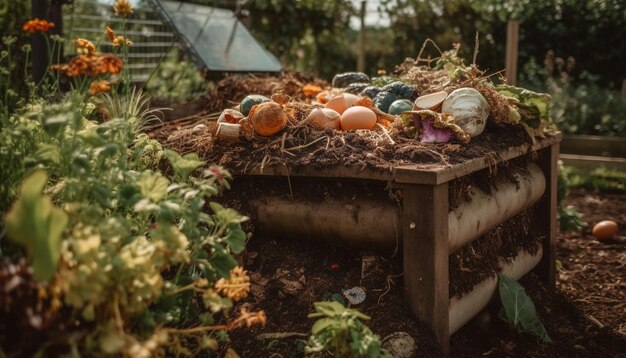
<point>152,39</point>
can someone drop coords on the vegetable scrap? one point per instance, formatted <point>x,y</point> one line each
<point>391,117</point>
<point>355,295</point>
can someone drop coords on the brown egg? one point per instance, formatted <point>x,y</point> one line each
<point>605,230</point>
<point>358,118</point>
<point>322,118</point>
<point>342,102</point>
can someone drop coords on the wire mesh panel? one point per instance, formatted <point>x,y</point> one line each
<point>152,39</point>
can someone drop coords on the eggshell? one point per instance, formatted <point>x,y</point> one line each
<point>230,116</point>
<point>431,101</point>
<point>605,230</point>
<point>322,118</point>
<point>358,118</point>
<point>342,102</point>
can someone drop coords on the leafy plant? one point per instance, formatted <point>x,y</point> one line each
<point>340,332</point>
<point>600,179</point>
<point>569,218</point>
<point>142,262</point>
<point>518,309</point>
<point>36,224</point>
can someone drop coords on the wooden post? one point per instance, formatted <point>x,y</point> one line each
<point>546,214</point>
<point>512,42</point>
<point>52,12</point>
<point>39,9</point>
<point>360,61</point>
<point>425,250</point>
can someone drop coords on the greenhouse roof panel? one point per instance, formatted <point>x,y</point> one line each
<point>217,39</point>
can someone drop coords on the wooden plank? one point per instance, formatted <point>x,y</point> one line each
<point>429,174</point>
<point>440,174</point>
<point>594,145</point>
<point>592,162</point>
<point>425,250</point>
<point>546,215</point>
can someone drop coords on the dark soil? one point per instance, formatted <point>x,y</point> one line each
<point>288,275</point>
<point>593,273</point>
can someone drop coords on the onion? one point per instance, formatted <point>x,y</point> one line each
<point>267,118</point>
<point>469,108</point>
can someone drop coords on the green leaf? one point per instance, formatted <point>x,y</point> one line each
<point>36,224</point>
<point>222,262</point>
<point>227,215</point>
<point>153,185</point>
<point>236,238</point>
<point>329,308</point>
<point>519,309</point>
<point>322,324</point>
<point>48,153</point>
<point>183,165</point>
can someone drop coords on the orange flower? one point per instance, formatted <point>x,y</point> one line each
<point>60,67</point>
<point>110,34</point>
<point>111,64</point>
<point>99,87</point>
<point>123,8</point>
<point>79,65</point>
<point>84,47</point>
<point>35,25</point>
<point>119,41</point>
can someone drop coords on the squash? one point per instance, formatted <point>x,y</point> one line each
<point>370,91</point>
<point>384,99</point>
<point>400,106</point>
<point>344,79</point>
<point>356,88</point>
<point>401,90</point>
<point>252,100</point>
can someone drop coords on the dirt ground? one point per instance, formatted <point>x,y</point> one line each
<point>585,316</point>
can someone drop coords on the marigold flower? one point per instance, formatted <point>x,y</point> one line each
<point>34,25</point>
<point>79,65</point>
<point>120,40</point>
<point>99,87</point>
<point>123,8</point>
<point>237,286</point>
<point>84,47</point>
<point>247,319</point>
<point>111,64</point>
<point>110,33</point>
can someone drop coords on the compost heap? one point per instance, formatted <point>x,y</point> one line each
<point>429,111</point>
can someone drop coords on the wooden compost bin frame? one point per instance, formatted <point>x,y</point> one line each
<point>424,220</point>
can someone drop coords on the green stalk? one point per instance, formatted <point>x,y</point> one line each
<point>126,73</point>
<point>6,92</point>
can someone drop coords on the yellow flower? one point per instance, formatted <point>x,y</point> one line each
<point>110,33</point>
<point>120,40</point>
<point>84,47</point>
<point>99,87</point>
<point>123,8</point>
<point>237,286</point>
